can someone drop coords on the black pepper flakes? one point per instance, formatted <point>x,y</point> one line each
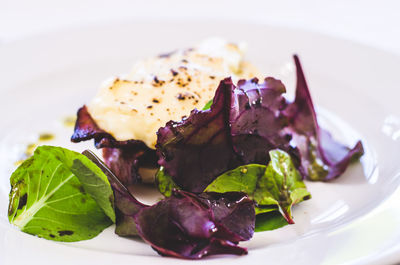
<point>180,96</point>
<point>157,82</point>
<point>155,100</point>
<point>174,73</point>
<point>186,95</point>
<point>149,107</point>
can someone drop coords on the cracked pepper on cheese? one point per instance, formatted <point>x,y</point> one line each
<point>166,88</point>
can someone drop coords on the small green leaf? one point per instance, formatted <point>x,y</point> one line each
<point>164,183</point>
<point>95,183</point>
<point>266,208</point>
<point>269,221</point>
<point>60,195</point>
<point>317,170</point>
<point>208,105</point>
<point>277,185</point>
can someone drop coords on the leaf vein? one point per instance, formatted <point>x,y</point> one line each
<point>51,179</point>
<point>64,198</point>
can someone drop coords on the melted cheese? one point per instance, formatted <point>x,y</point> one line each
<point>166,88</point>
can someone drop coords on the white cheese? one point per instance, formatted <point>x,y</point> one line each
<point>166,88</point>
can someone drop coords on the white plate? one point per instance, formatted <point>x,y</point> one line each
<point>350,220</point>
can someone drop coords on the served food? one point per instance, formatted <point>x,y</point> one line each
<point>234,167</point>
<point>166,87</point>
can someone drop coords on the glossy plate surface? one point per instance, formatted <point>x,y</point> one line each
<point>354,219</point>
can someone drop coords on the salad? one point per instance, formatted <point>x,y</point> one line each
<point>228,152</point>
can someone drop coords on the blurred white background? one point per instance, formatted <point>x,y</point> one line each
<point>372,22</point>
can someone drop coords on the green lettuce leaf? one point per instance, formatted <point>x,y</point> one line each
<point>60,195</point>
<point>165,183</point>
<point>269,221</point>
<point>208,105</point>
<point>275,186</point>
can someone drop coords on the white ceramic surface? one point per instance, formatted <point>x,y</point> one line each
<point>351,220</point>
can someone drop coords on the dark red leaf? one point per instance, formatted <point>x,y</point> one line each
<point>123,157</point>
<point>243,124</point>
<point>187,226</point>
<point>195,150</point>
<point>322,158</point>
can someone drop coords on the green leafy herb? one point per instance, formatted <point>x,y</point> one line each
<point>269,221</point>
<point>275,186</point>
<point>208,105</point>
<point>164,183</point>
<point>60,195</point>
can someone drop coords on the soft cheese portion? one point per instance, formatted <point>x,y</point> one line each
<point>166,88</point>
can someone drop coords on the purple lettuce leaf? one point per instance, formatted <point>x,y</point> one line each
<point>243,124</point>
<point>188,226</point>
<point>123,164</point>
<point>256,121</point>
<point>199,146</point>
<point>184,225</point>
<point>126,161</point>
<point>322,158</point>
<point>86,129</point>
<point>123,157</point>
<point>234,212</point>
